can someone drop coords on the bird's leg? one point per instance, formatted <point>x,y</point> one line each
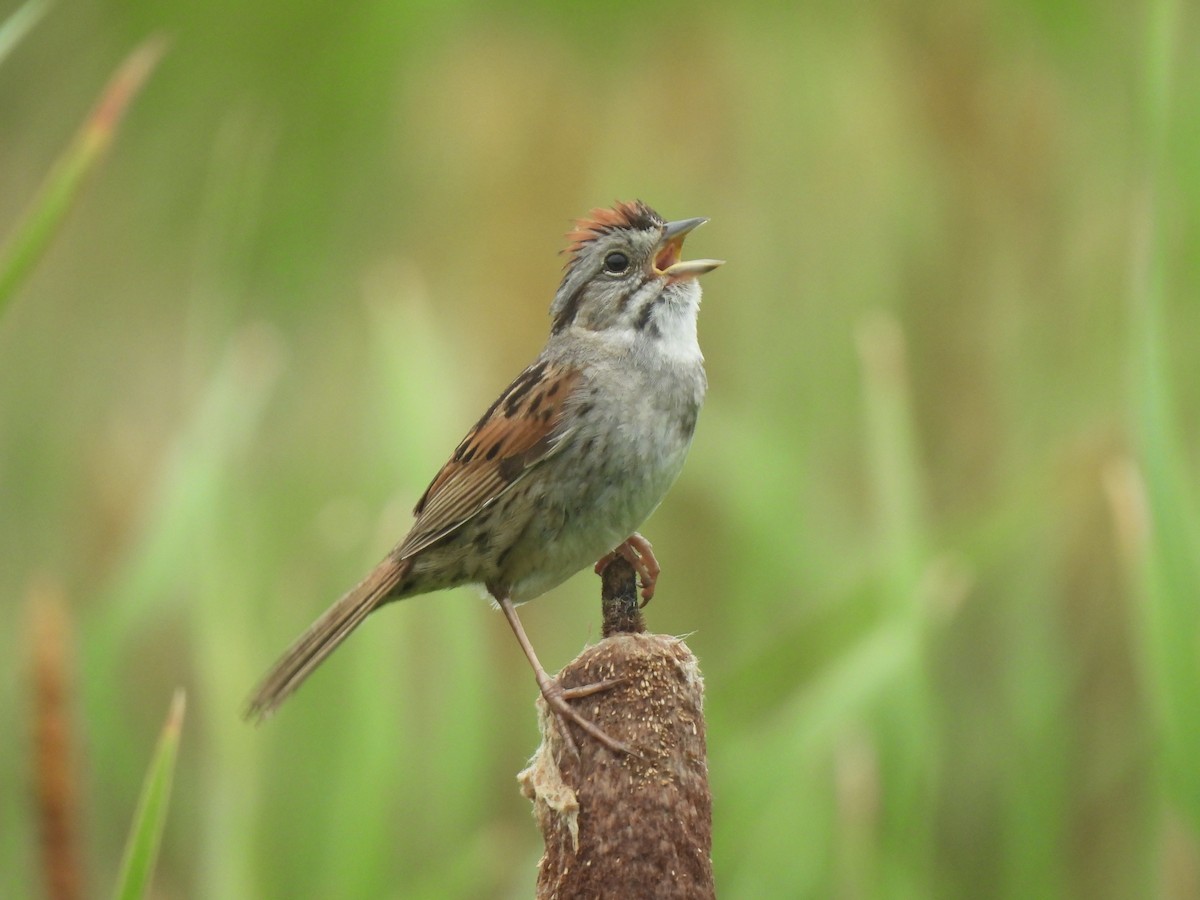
<point>639,554</point>
<point>556,695</point>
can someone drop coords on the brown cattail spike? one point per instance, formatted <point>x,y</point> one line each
<point>633,824</point>
<point>53,693</point>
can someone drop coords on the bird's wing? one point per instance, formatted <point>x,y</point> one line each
<point>522,428</point>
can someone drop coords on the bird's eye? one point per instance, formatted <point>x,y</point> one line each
<point>616,263</point>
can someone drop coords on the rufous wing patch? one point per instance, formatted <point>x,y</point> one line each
<point>518,431</point>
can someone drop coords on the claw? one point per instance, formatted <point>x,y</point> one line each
<point>640,554</point>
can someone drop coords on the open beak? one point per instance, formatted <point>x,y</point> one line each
<point>667,262</point>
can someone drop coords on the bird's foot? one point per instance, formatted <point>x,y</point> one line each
<point>558,697</point>
<point>639,553</point>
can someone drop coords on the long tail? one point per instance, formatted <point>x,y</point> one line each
<point>323,637</point>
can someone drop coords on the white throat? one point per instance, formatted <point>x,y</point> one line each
<point>676,332</point>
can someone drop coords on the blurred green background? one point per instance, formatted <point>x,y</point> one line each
<point>937,545</point>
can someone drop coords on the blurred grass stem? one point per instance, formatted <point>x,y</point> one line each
<point>62,186</point>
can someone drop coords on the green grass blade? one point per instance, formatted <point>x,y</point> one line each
<point>194,473</point>
<point>141,849</point>
<point>19,24</point>
<point>1171,571</point>
<point>901,726</point>
<point>41,220</point>
<point>893,460</point>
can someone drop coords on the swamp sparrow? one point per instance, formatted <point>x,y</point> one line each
<point>571,458</point>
